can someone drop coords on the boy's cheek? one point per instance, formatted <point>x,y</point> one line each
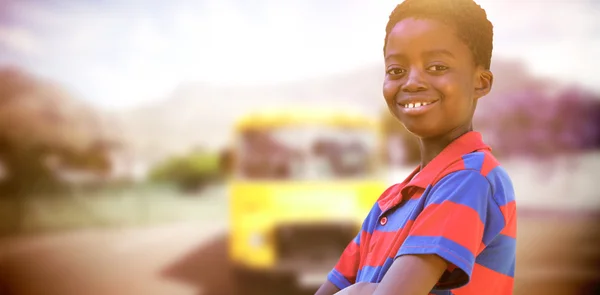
<point>389,91</point>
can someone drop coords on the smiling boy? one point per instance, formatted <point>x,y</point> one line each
<point>450,226</point>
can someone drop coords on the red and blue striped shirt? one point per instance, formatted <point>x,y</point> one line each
<point>460,206</point>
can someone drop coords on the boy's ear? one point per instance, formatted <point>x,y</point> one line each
<point>484,82</point>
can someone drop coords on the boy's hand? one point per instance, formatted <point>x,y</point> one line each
<point>413,274</point>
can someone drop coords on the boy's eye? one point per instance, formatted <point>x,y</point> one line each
<point>437,68</point>
<point>395,71</point>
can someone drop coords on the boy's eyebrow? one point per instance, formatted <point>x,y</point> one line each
<point>395,56</point>
<point>438,52</point>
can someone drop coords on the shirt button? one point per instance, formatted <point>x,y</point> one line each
<point>383,220</point>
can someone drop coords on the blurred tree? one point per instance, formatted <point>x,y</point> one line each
<point>226,160</point>
<point>518,123</point>
<point>577,111</point>
<point>538,124</point>
<point>41,126</point>
<point>190,172</point>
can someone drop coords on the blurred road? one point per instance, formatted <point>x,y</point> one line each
<point>176,259</point>
<point>143,261</point>
<point>557,255</point>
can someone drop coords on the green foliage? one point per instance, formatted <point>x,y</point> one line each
<point>189,172</point>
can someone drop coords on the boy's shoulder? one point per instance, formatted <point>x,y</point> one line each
<point>482,162</point>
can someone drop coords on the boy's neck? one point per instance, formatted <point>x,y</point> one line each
<point>431,147</point>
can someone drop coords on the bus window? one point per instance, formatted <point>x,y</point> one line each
<point>306,153</point>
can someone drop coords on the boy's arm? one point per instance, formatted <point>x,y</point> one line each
<point>459,217</point>
<point>412,274</point>
<point>328,288</point>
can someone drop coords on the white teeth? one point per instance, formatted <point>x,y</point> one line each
<point>415,105</point>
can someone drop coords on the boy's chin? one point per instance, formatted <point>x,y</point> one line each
<point>422,131</point>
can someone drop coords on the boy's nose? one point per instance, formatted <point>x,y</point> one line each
<point>414,81</point>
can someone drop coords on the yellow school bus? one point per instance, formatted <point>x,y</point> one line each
<point>302,182</point>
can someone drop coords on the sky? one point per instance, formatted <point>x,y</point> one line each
<point>122,54</point>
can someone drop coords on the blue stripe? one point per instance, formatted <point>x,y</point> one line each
<point>336,278</point>
<point>357,238</point>
<point>372,219</point>
<point>500,255</point>
<point>474,161</point>
<point>502,186</point>
<point>368,274</point>
<point>449,250</point>
<point>494,224</point>
<point>374,274</point>
<point>465,187</point>
<point>397,217</point>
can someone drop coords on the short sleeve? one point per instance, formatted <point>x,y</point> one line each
<point>458,211</point>
<point>345,271</point>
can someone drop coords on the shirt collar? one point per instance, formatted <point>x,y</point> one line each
<point>467,143</point>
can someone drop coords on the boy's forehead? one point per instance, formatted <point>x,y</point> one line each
<point>424,35</point>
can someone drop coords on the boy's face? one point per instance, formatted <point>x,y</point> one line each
<point>432,83</point>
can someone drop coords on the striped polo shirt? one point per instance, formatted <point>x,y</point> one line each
<point>460,206</point>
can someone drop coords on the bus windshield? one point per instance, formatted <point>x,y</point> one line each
<point>306,153</point>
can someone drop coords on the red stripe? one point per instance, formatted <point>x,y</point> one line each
<point>390,196</point>
<point>485,280</point>
<point>385,245</point>
<point>379,249</point>
<point>417,193</point>
<point>453,221</point>
<point>365,240</point>
<point>348,263</point>
<point>510,229</point>
<point>489,163</point>
<point>509,210</point>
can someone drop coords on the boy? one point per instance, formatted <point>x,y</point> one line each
<point>450,227</point>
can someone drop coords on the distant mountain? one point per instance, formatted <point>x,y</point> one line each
<point>199,114</point>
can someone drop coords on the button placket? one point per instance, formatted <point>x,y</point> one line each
<point>383,221</point>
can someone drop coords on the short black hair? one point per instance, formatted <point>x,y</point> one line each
<point>466,16</point>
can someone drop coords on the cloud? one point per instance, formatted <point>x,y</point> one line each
<point>20,41</point>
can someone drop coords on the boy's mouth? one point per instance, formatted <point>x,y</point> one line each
<point>415,104</point>
<point>415,107</point>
